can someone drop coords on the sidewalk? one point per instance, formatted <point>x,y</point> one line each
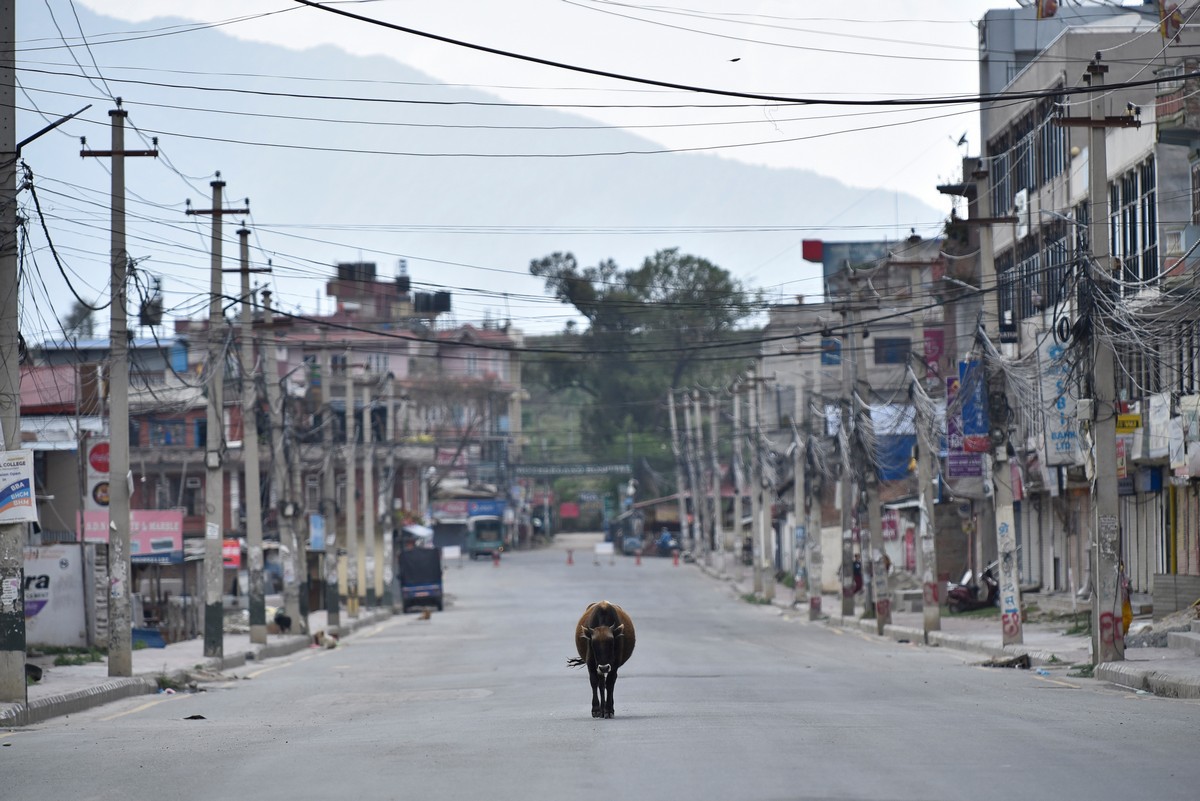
<point>1168,672</point>
<point>64,690</point>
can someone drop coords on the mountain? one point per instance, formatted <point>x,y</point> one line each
<point>335,186</point>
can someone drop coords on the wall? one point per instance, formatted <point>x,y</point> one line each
<point>54,596</point>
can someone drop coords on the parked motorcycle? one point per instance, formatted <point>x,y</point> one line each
<point>968,594</point>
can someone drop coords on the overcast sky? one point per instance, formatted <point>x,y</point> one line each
<point>860,50</point>
<point>333,207</point>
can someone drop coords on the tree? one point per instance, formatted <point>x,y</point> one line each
<point>648,331</point>
<point>80,322</point>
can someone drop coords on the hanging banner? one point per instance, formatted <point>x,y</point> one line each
<point>1058,419</point>
<point>1159,419</point>
<point>972,383</point>
<point>958,463</point>
<point>16,488</point>
<point>935,347</point>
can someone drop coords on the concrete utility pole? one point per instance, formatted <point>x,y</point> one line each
<point>689,438</point>
<point>12,535</point>
<point>1002,515</point>
<point>1108,633</point>
<point>926,452</point>
<point>872,540</point>
<point>679,480</point>
<point>735,550</point>
<point>214,482</point>
<point>812,494</point>
<point>848,486</point>
<point>718,536</point>
<point>333,604</point>
<point>370,553</point>
<point>756,499</point>
<point>799,519</point>
<point>250,455</point>
<point>703,542</point>
<point>387,492</point>
<point>289,543</point>
<point>120,632</point>
<point>355,566</point>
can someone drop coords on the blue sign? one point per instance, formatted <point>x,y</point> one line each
<point>972,387</point>
<point>316,532</point>
<point>485,507</point>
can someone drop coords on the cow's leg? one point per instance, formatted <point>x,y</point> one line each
<point>610,681</point>
<point>594,675</point>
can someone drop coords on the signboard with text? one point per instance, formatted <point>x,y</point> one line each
<point>155,535</point>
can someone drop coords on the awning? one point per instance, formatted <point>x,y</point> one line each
<point>423,532</point>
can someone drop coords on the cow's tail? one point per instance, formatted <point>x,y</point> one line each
<point>576,661</point>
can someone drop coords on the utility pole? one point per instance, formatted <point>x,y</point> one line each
<point>848,488</point>
<point>799,479</point>
<point>383,581</point>
<point>703,542</point>
<point>756,499</point>
<point>355,566</point>
<point>333,604</point>
<point>250,455</point>
<point>735,551</point>
<point>214,482</point>
<point>872,554</point>
<point>718,536</point>
<point>12,535</point>
<point>926,450</point>
<point>679,476</point>
<point>997,467</point>
<point>120,632</point>
<point>1108,633</point>
<point>812,495</point>
<point>689,438</point>
<point>288,541</point>
<point>370,553</point>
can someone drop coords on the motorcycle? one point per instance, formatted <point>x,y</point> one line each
<point>666,544</point>
<point>968,595</point>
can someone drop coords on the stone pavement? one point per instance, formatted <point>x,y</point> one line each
<point>1168,672</point>
<point>64,690</point>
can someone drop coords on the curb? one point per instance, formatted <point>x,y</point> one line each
<point>1146,680</point>
<point>116,689</point>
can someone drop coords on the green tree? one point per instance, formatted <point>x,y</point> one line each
<point>649,330</point>
<point>79,322</point>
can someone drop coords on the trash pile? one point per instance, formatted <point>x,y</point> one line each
<point>1154,635</point>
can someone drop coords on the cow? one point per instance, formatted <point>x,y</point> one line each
<point>604,638</point>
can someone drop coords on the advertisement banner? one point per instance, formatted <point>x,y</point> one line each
<point>231,554</point>
<point>1159,434</point>
<point>972,383</point>
<point>54,600</point>
<point>16,488</point>
<point>1062,442</point>
<point>958,463</point>
<point>935,348</point>
<point>95,497</point>
<point>155,535</point>
<point>316,532</point>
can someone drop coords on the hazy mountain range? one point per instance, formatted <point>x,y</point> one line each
<point>335,190</point>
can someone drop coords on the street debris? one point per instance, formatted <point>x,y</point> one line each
<point>195,717</point>
<point>1154,635</point>
<point>1021,662</point>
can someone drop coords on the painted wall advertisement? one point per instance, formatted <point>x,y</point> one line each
<point>54,601</point>
<point>16,488</point>
<point>155,535</point>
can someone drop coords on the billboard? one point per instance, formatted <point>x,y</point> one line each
<point>155,535</point>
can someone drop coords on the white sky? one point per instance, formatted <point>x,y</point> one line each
<point>866,49</point>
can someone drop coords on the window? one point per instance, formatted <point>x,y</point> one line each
<point>1134,226</point>
<point>472,364</point>
<point>892,350</point>
<point>1006,296</point>
<point>167,432</point>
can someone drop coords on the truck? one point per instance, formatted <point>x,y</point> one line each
<point>485,535</point>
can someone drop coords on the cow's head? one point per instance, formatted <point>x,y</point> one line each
<point>606,643</point>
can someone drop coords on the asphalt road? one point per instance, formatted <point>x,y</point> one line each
<point>721,700</point>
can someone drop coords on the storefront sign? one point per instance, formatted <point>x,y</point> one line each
<point>95,496</point>
<point>155,535</point>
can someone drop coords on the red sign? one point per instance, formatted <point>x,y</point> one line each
<point>231,553</point>
<point>154,534</point>
<point>98,457</point>
<point>568,510</point>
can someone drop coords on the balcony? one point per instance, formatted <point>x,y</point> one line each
<point>1177,107</point>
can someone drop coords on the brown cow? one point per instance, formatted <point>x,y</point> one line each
<point>604,638</point>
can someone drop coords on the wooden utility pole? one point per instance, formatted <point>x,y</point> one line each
<point>370,553</point>
<point>250,454</point>
<point>679,473</point>
<point>333,604</point>
<point>355,566</point>
<point>120,633</point>
<point>214,482</point>
<point>287,509</point>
